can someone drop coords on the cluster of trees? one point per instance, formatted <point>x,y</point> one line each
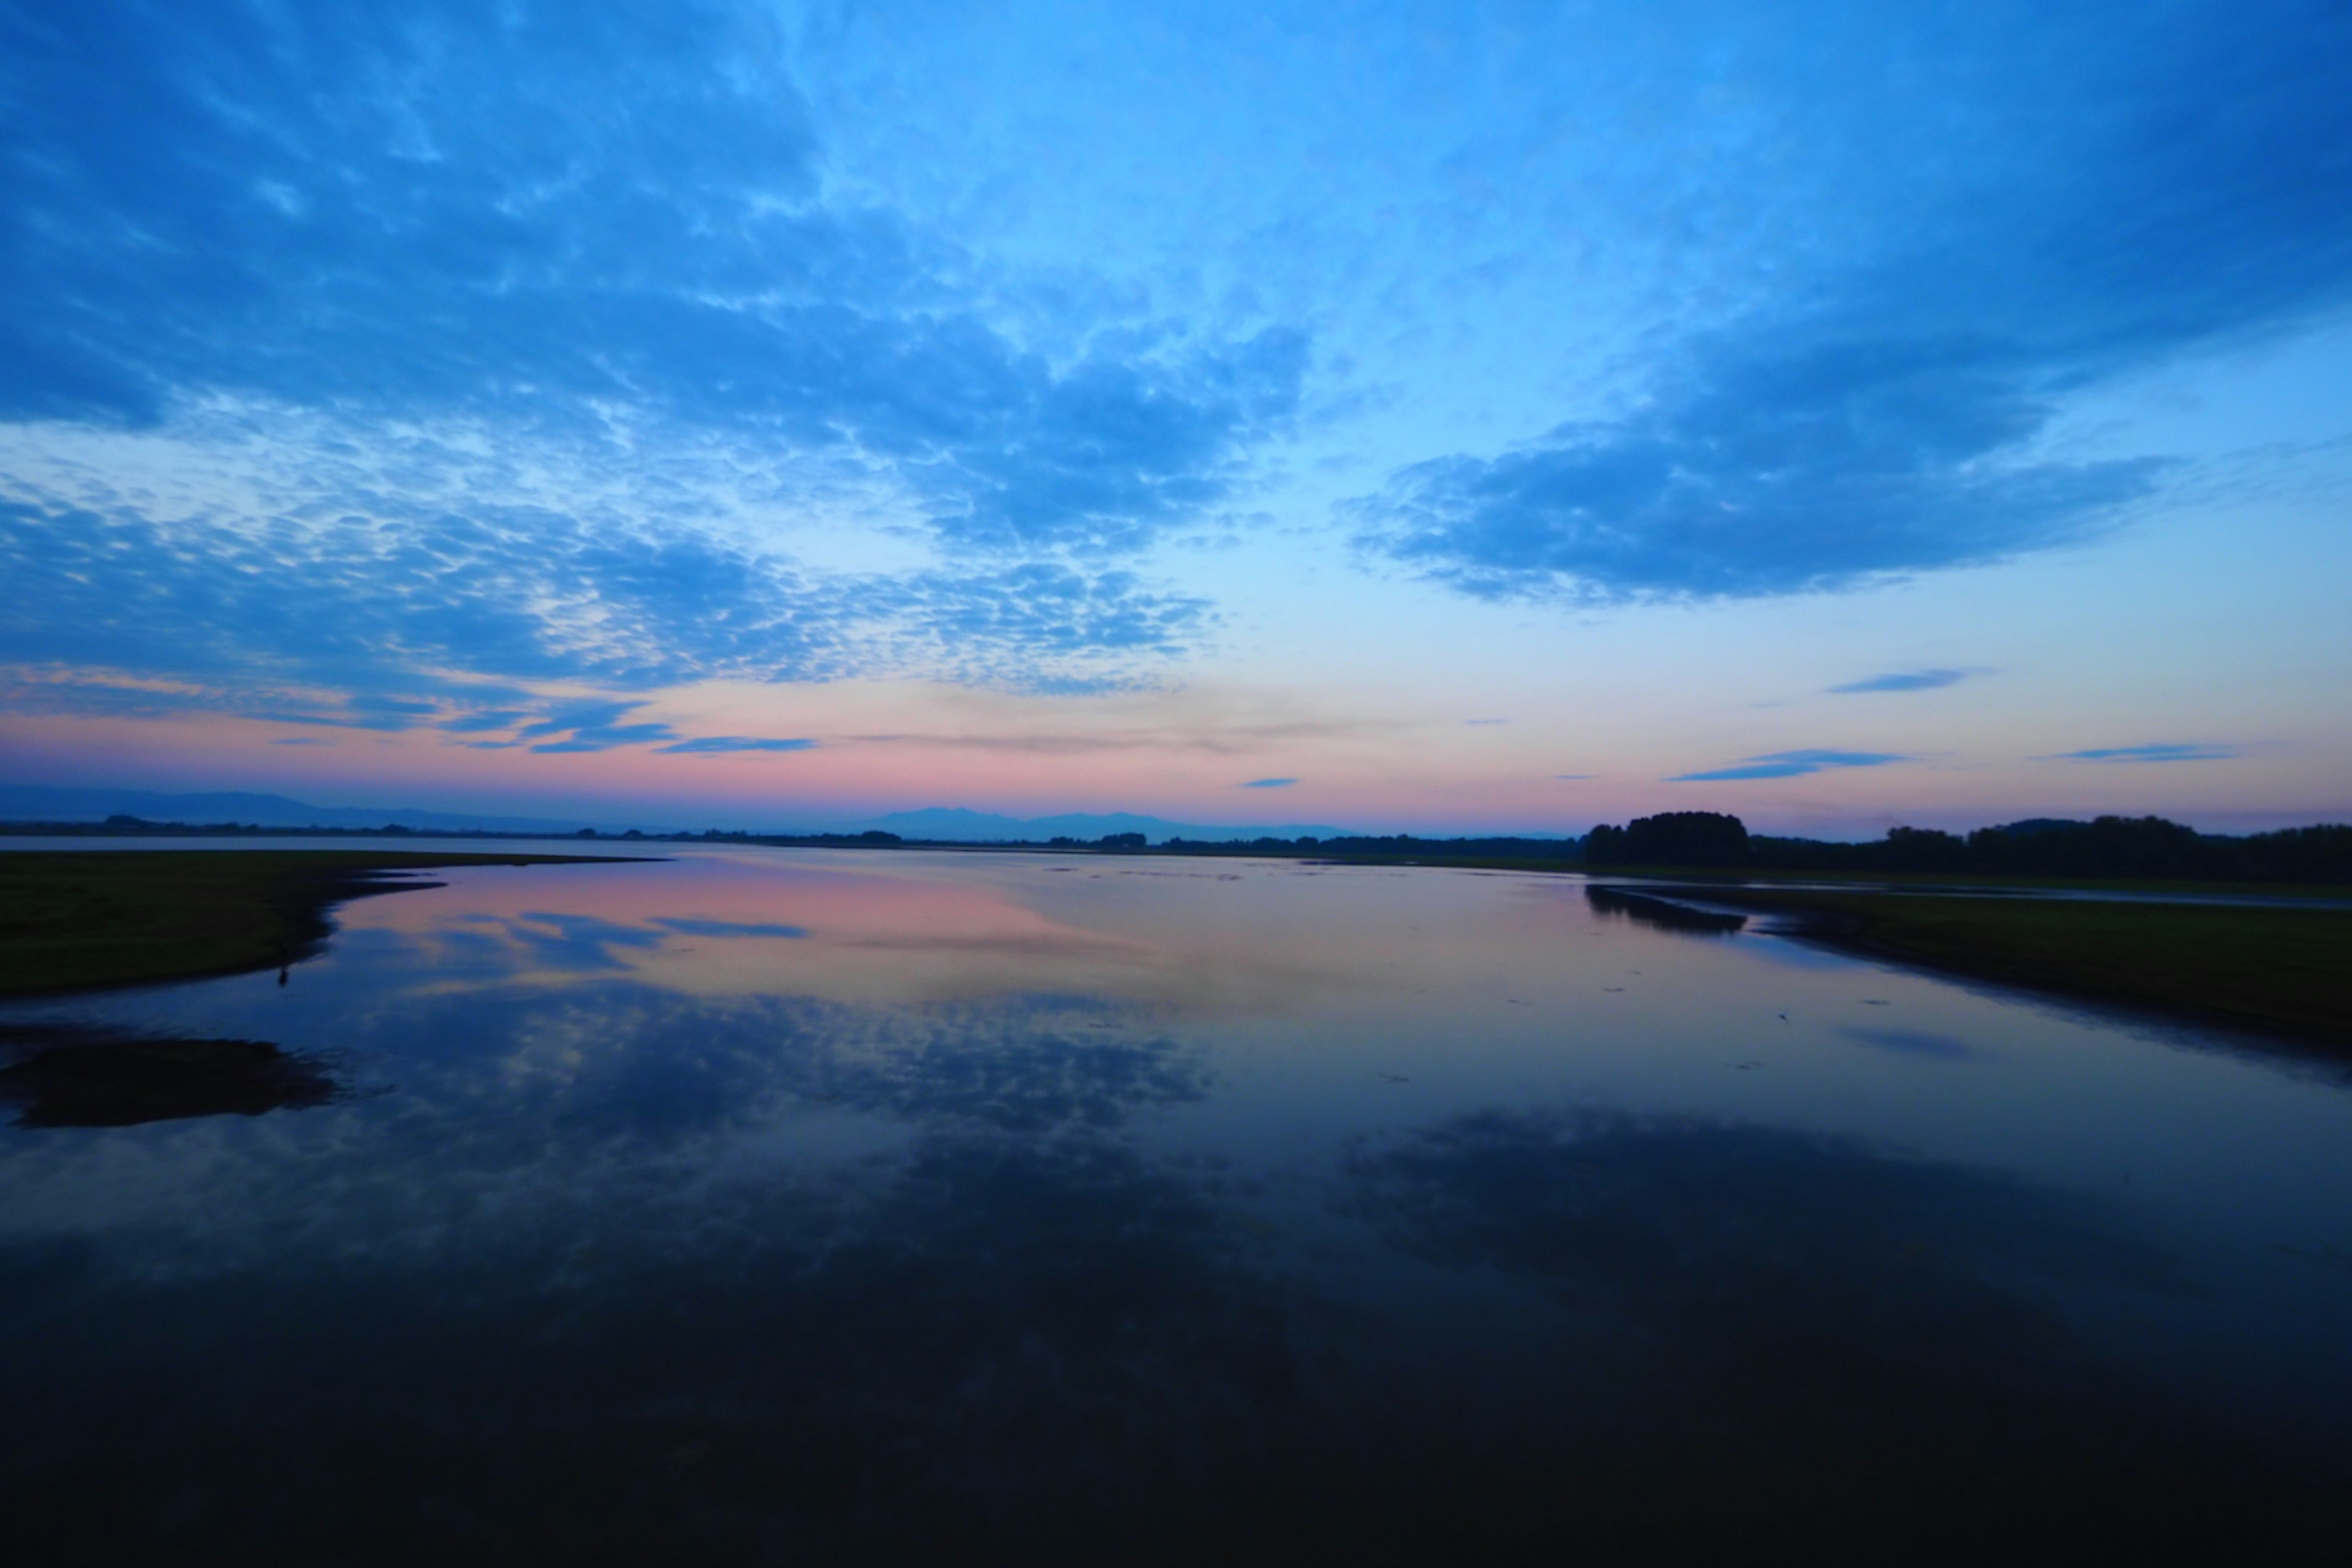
<point>2118,846</point>
<point>1672,839</point>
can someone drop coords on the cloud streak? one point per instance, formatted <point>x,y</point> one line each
<point>1792,766</point>
<point>715,745</point>
<point>1908,681</point>
<point>2162,753</point>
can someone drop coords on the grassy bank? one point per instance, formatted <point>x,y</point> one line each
<point>75,921</point>
<point>1930,880</point>
<point>2279,971</point>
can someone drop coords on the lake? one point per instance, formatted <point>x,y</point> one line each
<point>785,1206</point>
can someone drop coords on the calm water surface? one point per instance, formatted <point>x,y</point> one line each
<point>807,1206</point>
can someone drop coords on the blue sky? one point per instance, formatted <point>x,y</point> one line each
<point>1453,415</point>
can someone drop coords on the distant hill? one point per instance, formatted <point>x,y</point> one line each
<point>960,824</point>
<point>42,803</point>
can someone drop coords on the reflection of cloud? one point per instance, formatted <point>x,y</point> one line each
<point>987,1346</point>
<point>729,927</point>
<point>1914,1042</point>
<point>1786,1262</point>
<point>576,944</point>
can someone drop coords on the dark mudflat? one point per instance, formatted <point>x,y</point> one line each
<point>71,1079</point>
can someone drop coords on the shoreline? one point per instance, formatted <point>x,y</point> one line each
<point>77,921</point>
<point>2275,971</point>
<point>82,921</point>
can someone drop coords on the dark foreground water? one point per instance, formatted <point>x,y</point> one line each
<point>809,1207</point>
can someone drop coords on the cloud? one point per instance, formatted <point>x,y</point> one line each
<point>412,219</point>
<point>1792,765</point>
<point>1269,783</point>
<point>592,725</point>
<point>1909,681</point>
<point>336,616</point>
<point>1474,723</point>
<point>1877,412</point>
<point>479,723</point>
<point>709,744</point>
<point>606,739</point>
<point>2176,753</point>
<point>1575,775</point>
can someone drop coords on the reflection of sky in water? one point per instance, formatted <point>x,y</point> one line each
<point>833,1207</point>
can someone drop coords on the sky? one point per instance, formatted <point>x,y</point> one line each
<point>1446,417</point>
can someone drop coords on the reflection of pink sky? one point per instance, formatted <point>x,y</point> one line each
<point>1287,957</point>
<point>876,929</point>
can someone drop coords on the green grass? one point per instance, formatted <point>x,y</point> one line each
<point>72,922</point>
<point>2279,971</point>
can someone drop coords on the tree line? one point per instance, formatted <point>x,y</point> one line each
<point>2107,846</point>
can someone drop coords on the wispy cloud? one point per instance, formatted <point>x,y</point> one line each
<point>592,725</point>
<point>1906,681</point>
<point>1792,765</point>
<point>1269,783</point>
<point>484,722</point>
<point>2167,752</point>
<point>710,744</point>
<point>1877,413</point>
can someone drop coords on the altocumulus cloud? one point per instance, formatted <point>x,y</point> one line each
<point>2130,194</point>
<point>1792,765</point>
<point>266,617</point>
<point>342,224</point>
<point>412,215</point>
